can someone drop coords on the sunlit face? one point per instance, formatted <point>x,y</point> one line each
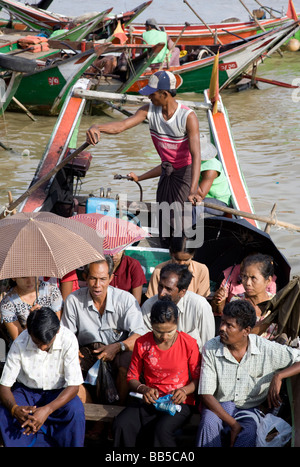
<point>164,332</point>
<point>167,288</point>
<point>230,332</point>
<point>253,281</point>
<point>25,284</point>
<point>98,280</point>
<point>182,258</point>
<point>158,98</point>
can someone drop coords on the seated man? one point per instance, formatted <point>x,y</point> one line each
<point>239,372</point>
<point>213,184</point>
<point>155,35</point>
<point>106,320</point>
<point>39,386</point>
<point>195,314</point>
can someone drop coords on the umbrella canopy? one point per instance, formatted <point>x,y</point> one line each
<point>43,244</point>
<point>227,241</point>
<point>117,233</point>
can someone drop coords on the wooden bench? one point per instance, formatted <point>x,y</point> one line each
<point>105,413</point>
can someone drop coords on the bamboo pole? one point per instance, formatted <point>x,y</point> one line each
<point>131,99</point>
<point>268,226</point>
<point>257,22</point>
<point>19,104</point>
<point>202,21</point>
<point>10,208</point>
<point>248,215</point>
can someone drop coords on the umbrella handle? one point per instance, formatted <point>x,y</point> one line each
<point>120,177</point>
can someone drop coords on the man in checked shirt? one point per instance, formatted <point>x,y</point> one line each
<point>239,372</point>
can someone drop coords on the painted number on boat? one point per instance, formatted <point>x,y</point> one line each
<point>52,80</point>
<point>227,66</point>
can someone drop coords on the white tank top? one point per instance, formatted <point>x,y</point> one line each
<point>170,136</point>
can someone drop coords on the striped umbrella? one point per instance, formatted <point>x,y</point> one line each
<point>117,233</point>
<point>37,244</point>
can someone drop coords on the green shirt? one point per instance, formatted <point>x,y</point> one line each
<point>220,188</point>
<point>155,37</point>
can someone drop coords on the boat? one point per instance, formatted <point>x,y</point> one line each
<point>11,73</point>
<point>234,59</point>
<point>225,32</point>
<point>44,89</point>
<point>226,239</point>
<point>58,196</point>
<point>102,24</point>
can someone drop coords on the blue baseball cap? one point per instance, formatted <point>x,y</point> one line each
<point>159,81</point>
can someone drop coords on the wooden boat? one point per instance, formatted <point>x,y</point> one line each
<point>226,31</point>
<point>222,235</point>
<point>44,90</point>
<point>57,195</point>
<point>11,73</point>
<point>234,59</point>
<point>101,24</point>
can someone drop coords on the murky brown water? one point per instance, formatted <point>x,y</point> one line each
<point>265,126</point>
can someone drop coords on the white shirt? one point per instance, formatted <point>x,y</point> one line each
<point>38,369</point>
<point>195,317</point>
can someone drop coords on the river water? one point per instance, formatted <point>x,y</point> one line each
<point>265,125</point>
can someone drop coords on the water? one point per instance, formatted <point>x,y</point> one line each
<point>265,125</point>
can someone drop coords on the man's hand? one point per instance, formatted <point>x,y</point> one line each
<point>236,428</point>
<point>134,177</point>
<point>194,198</point>
<point>36,420</point>
<point>93,135</point>
<point>22,411</point>
<point>107,352</point>
<point>274,399</point>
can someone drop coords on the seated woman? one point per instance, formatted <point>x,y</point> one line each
<point>169,362</point>
<point>181,253</point>
<point>257,272</point>
<point>212,182</point>
<point>21,299</point>
<point>128,275</point>
<point>232,285</point>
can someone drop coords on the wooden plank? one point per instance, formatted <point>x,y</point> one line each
<point>97,412</point>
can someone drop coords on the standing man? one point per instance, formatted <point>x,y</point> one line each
<point>106,320</point>
<point>39,386</point>
<point>195,314</point>
<point>174,129</point>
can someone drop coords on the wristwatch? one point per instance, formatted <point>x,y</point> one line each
<point>122,346</point>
